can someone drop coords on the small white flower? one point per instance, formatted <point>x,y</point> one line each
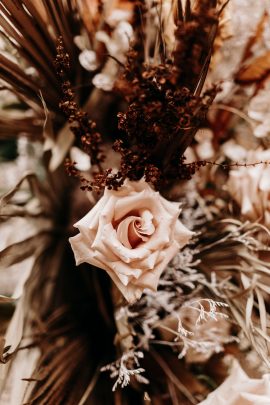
<point>117,16</point>
<point>103,81</point>
<point>82,159</point>
<point>87,57</point>
<point>117,46</point>
<point>88,60</point>
<point>205,149</point>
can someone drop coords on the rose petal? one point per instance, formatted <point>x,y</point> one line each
<point>172,207</point>
<point>126,233</point>
<point>134,235</point>
<point>149,262</point>
<point>143,199</point>
<point>80,248</point>
<point>131,292</point>
<point>125,254</point>
<point>147,227</point>
<point>162,235</point>
<point>122,268</point>
<point>150,279</point>
<point>182,235</point>
<point>239,389</point>
<point>91,220</point>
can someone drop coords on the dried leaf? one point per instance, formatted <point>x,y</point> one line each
<point>22,365</point>
<point>257,70</point>
<point>21,250</point>
<point>14,333</point>
<point>59,147</point>
<point>44,195</point>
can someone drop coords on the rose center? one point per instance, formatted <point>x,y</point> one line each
<point>133,230</point>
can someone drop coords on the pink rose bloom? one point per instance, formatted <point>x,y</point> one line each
<point>250,186</point>
<point>239,389</point>
<point>132,234</point>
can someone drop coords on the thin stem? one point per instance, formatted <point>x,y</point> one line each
<point>172,377</point>
<point>90,387</point>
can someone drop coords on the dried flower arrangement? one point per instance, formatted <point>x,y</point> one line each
<point>134,209</point>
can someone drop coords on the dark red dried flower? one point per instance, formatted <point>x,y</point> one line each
<point>81,125</point>
<point>164,105</point>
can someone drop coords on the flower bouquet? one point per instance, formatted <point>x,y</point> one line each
<point>135,202</point>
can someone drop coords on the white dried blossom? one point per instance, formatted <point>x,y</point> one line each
<point>205,149</point>
<point>117,45</point>
<point>88,60</point>
<point>87,56</point>
<point>81,159</point>
<point>105,81</point>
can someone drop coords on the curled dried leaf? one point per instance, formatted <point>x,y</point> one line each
<point>255,71</point>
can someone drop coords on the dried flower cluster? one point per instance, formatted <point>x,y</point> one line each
<point>165,108</point>
<point>83,128</point>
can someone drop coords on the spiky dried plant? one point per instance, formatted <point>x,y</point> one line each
<point>31,30</point>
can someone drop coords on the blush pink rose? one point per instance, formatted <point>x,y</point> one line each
<point>132,234</point>
<point>239,389</point>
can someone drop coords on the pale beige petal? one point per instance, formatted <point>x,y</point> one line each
<point>239,389</point>
<point>182,235</point>
<point>151,278</point>
<point>125,254</point>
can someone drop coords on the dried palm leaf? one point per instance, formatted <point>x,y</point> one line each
<point>32,30</point>
<point>64,349</point>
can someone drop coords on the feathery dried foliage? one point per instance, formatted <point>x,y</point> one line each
<point>126,368</point>
<point>236,264</point>
<point>232,257</point>
<point>176,316</point>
